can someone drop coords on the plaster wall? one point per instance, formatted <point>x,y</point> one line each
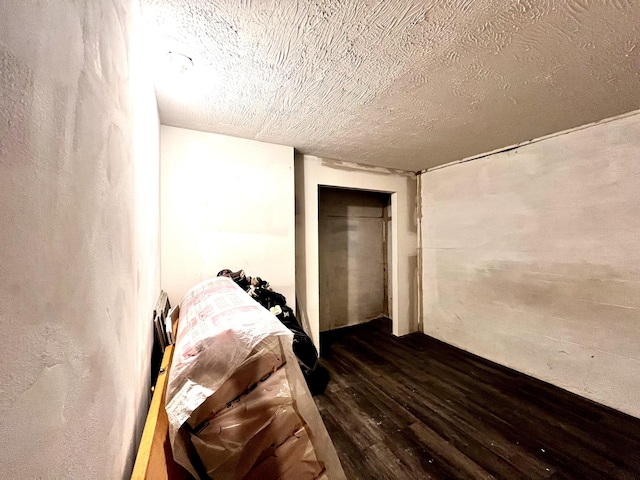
<point>352,253</point>
<point>226,203</point>
<point>531,258</point>
<point>313,172</point>
<point>79,217</point>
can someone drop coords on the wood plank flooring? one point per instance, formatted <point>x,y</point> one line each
<point>414,407</point>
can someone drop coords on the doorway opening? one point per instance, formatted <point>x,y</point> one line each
<point>355,251</point>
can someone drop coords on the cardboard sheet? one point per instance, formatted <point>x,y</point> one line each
<point>265,359</point>
<point>295,459</point>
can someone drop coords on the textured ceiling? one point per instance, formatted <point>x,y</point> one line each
<point>401,84</point>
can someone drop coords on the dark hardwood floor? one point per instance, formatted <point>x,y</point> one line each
<point>414,407</point>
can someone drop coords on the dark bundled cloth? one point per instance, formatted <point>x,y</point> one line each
<point>316,376</point>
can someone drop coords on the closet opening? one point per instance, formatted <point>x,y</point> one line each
<point>355,270</point>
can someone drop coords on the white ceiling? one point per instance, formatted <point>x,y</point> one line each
<point>401,84</point>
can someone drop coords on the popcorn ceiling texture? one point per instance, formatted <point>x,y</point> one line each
<point>401,84</point>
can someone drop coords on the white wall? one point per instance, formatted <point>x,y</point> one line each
<point>352,255</point>
<point>311,172</point>
<point>79,218</point>
<point>226,203</point>
<point>531,258</point>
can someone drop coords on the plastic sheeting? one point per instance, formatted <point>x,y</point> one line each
<point>231,399</point>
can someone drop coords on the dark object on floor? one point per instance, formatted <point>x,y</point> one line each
<point>303,347</point>
<point>414,407</point>
<point>317,379</point>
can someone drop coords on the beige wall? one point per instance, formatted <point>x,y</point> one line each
<point>531,258</point>
<point>79,217</point>
<point>352,254</point>
<point>312,172</point>
<point>226,203</point>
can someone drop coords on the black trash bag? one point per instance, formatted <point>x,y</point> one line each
<point>303,347</point>
<point>267,297</point>
<point>225,272</point>
<point>239,277</point>
<point>288,319</point>
<point>317,379</point>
